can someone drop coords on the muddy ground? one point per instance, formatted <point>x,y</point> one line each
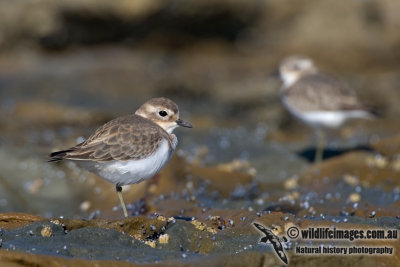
<point>68,67</point>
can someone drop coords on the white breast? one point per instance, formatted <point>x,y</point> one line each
<point>332,119</point>
<point>134,171</point>
<point>329,119</point>
<point>325,118</point>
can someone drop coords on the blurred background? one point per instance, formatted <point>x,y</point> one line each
<point>68,66</point>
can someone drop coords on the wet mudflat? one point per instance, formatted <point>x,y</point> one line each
<point>246,160</point>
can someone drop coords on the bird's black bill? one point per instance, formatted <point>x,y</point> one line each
<point>183,123</point>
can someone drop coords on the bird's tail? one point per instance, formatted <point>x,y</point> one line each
<point>374,112</point>
<point>58,155</point>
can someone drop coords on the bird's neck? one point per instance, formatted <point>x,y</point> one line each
<point>289,79</point>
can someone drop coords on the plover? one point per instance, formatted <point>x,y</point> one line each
<point>131,148</point>
<point>319,100</point>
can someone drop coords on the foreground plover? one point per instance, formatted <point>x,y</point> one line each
<point>318,100</point>
<point>131,148</point>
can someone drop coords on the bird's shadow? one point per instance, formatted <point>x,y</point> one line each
<point>309,152</point>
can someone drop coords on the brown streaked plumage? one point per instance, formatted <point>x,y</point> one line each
<point>321,92</point>
<point>131,148</point>
<point>129,137</point>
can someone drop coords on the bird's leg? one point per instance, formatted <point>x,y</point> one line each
<point>319,152</point>
<point>119,190</point>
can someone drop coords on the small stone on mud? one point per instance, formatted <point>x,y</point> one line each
<point>152,188</point>
<point>163,239</point>
<point>199,225</point>
<point>292,196</point>
<point>46,231</point>
<point>237,166</point>
<point>372,214</point>
<point>291,183</point>
<point>162,218</point>
<point>85,206</point>
<point>377,161</point>
<point>151,243</point>
<point>354,197</point>
<point>215,218</point>
<point>350,179</point>
<point>396,164</point>
<point>211,230</point>
<point>56,222</point>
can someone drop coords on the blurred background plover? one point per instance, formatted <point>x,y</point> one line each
<point>318,100</point>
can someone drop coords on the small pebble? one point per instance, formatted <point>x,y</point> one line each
<point>354,197</point>
<point>199,225</point>
<point>85,206</point>
<point>46,231</point>
<point>211,230</point>
<point>351,180</point>
<point>291,183</point>
<point>163,239</point>
<point>151,243</point>
<point>162,218</point>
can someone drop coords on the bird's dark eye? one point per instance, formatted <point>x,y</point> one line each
<point>163,113</point>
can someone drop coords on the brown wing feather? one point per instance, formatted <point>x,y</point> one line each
<point>124,138</point>
<point>322,92</point>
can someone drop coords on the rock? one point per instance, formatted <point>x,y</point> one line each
<point>185,237</point>
<point>187,244</point>
<point>12,220</point>
<point>139,227</point>
<point>359,164</point>
<point>389,146</point>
